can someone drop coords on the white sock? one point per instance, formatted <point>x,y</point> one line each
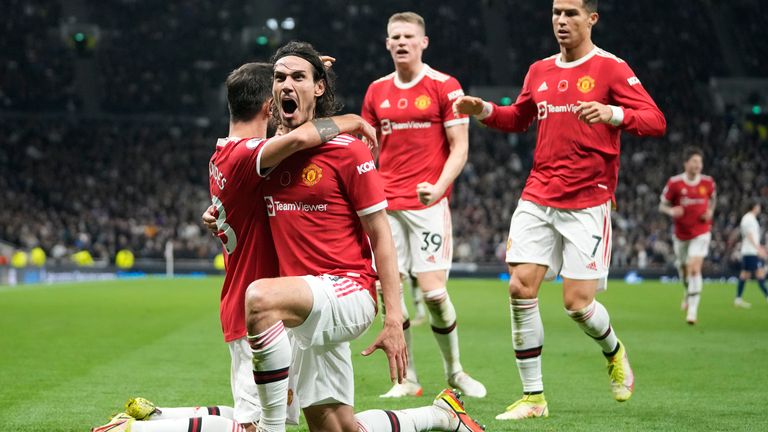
<point>187,412</point>
<point>271,360</point>
<point>695,285</point>
<point>596,323</point>
<point>442,316</point>
<point>408,420</point>
<point>195,424</point>
<point>528,341</point>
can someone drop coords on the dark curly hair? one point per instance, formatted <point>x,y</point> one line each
<point>325,105</point>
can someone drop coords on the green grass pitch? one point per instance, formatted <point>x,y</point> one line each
<point>71,354</point>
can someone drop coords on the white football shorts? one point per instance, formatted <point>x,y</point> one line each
<point>573,243</point>
<point>423,238</point>
<point>697,247</point>
<point>247,406</point>
<point>321,368</point>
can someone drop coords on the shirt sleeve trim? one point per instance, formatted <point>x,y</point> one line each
<point>617,115</point>
<point>372,209</point>
<point>455,122</point>
<point>487,111</point>
<point>259,171</point>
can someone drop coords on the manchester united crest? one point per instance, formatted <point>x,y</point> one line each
<point>585,84</point>
<point>702,190</point>
<point>311,174</point>
<point>422,102</point>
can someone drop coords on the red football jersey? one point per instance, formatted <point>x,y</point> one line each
<point>576,165</point>
<point>694,197</point>
<point>314,199</point>
<point>411,119</point>
<point>242,220</point>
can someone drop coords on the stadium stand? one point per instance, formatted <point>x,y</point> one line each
<point>122,178</point>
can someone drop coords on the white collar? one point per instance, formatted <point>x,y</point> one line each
<point>405,86</point>
<point>567,65</point>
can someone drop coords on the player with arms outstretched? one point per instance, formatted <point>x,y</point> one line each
<point>423,150</point>
<point>583,98</point>
<point>690,199</point>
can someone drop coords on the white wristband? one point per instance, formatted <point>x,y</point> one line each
<point>617,115</point>
<point>487,111</point>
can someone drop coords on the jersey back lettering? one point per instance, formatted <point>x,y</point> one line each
<point>249,253</point>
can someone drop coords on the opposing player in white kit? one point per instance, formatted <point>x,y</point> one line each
<point>752,254</point>
<point>423,148</point>
<point>583,98</point>
<point>690,199</point>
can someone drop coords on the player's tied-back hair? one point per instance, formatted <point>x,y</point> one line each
<point>326,104</point>
<point>248,88</point>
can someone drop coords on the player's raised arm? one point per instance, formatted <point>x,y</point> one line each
<point>514,118</point>
<point>312,134</point>
<point>391,339</point>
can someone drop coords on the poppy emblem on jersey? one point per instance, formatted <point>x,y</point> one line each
<point>702,190</point>
<point>422,102</point>
<point>285,179</point>
<point>585,84</point>
<point>402,103</point>
<point>311,174</point>
<point>562,85</point>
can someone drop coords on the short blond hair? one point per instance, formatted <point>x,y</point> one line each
<point>409,17</point>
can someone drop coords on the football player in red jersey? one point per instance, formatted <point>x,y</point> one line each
<point>583,98</point>
<point>690,199</point>
<point>327,213</point>
<point>239,217</point>
<point>241,220</point>
<point>423,149</point>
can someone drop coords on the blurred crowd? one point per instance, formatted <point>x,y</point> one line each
<point>103,183</point>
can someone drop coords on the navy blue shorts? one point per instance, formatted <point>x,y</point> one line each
<point>751,263</point>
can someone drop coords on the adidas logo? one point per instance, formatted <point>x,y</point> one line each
<point>543,87</point>
<point>384,104</point>
<point>592,266</point>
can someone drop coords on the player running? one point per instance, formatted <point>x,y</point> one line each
<point>752,254</point>
<point>690,199</point>
<point>583,98</point>
<point>423,150</point>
